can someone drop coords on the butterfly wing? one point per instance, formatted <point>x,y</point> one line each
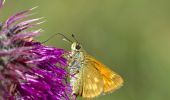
<point>92,81</point>
<point>112,80</point>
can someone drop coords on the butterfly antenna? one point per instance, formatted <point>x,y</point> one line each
<point>73,36</point>
<point>64,38</point>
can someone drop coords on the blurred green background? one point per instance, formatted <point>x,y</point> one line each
<point>130,36</point>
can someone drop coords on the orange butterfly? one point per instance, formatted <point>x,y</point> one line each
<point>91,77</point>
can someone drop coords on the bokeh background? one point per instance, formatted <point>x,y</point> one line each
<point>130,36</point>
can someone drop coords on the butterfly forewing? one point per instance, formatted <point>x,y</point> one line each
<point>112,80</point>
<point>92,81</point>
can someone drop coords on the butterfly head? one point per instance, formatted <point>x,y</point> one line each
<point>76,46</point>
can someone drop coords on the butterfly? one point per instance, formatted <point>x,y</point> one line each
<point>91,78</point>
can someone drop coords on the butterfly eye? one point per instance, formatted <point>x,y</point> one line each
<point>78,47</point>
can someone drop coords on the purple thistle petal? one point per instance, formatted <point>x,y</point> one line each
<point>26,35</point>
<point>28,22</point>
<point>17,17</point>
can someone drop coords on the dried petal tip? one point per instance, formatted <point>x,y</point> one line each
<point>34,8</point>
<point>29,70</point>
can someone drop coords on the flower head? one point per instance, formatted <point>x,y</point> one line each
<point>29,70</point>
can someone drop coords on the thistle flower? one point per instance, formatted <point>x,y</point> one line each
<point>29,70</point>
